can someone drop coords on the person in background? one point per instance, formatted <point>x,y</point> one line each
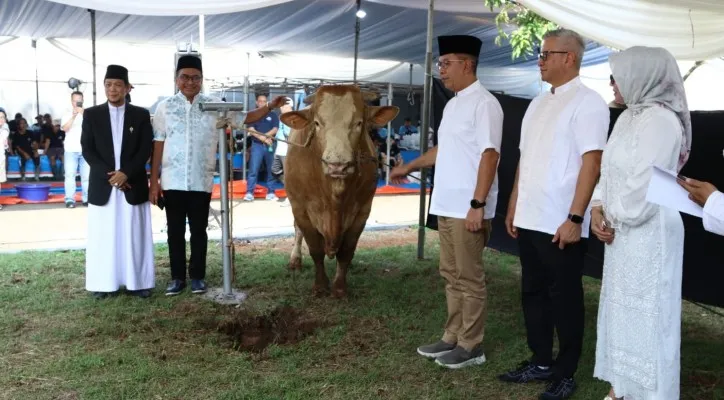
<point>562,136</point>
<point>464,199</point>
<point>13,125</point>
<point>185,148</point>
<point>407,128</point>
<point>116,141</point>
<point>25,146</point>
<point>72,125</point>
<point>4,135</point>
<point>281,151</point>
<point>708,196</point>
<point>53,148</point>
<point>262,150</point>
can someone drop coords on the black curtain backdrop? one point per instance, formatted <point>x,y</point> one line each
<point>703,251</point>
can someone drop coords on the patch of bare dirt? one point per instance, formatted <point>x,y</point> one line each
<point>254,333</point>
<point>368,240</point>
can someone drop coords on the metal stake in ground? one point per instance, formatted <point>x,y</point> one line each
<point>225,295</point>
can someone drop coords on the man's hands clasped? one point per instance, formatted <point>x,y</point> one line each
<point>119,180</point>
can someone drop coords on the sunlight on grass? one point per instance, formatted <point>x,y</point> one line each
<point>56,342</point>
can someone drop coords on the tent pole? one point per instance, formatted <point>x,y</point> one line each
<point>246,108</point>
<point>389,134</point>
<point>202,43</point>
<point>425,128</point>
<point>93,49</point>
<point>34,43</point>
<point>356,39</point>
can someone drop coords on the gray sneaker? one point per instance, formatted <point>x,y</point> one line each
<point>435,350</point>
<point>461,358</point>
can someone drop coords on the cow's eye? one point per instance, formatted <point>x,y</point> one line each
<point>317,124</point>
<point>359,124</point>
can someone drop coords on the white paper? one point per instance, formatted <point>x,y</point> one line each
<point>665,191</point>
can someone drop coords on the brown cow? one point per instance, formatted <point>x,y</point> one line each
<point>331,182</point>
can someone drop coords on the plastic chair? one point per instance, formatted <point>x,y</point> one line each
<point>45,170</point>
<point>13,171</point>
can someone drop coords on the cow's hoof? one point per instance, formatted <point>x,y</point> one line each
<point>339,291</point>
<point>295,264</point>
<point>320,290</point>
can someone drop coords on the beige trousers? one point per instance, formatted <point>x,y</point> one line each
<point>461,264</point>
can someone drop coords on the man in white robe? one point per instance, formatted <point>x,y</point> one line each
<point>117,140</point>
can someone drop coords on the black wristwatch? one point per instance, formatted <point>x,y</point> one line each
<point>576,219</point>
<point>474,204</point>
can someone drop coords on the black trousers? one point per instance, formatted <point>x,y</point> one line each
<point>552,291</point>
<point>194,206</point>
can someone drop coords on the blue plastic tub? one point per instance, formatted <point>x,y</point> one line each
<point>33,191</point>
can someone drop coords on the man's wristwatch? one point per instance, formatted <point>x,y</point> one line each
<point>576,219</point>
<point>474,204</point>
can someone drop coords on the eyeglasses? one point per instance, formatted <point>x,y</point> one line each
<point>543,55</point>
<point>613,81</point>
<point>446,64</point>
<point>194,78</point>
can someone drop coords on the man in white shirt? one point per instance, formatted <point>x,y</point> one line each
<point>72,125</point>
<point>464,199</point>
<point>562,137</point>
<point>186,143</point>
<point>706,195</point>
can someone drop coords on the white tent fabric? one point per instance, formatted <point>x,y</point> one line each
<point>690,30</point>
<point>171,7</point>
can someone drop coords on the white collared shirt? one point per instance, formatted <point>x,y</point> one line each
<point>472,122</point>
<point>558,129</point>
<point>191,142</point>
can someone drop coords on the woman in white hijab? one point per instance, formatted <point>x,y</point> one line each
<point>4,134</point>
<point>639,315</point>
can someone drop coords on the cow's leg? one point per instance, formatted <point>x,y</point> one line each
<point>315,242</point>
<point>344,259</point>
<point>295,259</point>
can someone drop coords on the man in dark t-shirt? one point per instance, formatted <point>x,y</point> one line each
<point>53,146</point>
<point>25,146</point>
<point>262,150</point>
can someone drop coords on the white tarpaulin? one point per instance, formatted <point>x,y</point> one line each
<point>690,30</point>
<point>171,7</point>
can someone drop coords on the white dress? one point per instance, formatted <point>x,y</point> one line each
<point>639,315</point>
<point>120,242</point>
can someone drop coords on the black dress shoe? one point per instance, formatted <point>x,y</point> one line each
<point>144,294</point>
<point>69,205</point>
<point>175,287</point>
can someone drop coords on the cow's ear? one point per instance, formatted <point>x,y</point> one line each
<point>296,119</point>
<point>379,116</point>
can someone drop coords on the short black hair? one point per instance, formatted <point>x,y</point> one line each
<point>262,94</point>
<point>76,93</point>
<point>407,119</point>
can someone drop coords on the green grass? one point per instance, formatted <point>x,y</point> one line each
<point>58,343</point>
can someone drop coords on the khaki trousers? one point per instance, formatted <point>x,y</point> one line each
<point>461,264</point>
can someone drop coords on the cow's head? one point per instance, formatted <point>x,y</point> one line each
<point>339,118</point>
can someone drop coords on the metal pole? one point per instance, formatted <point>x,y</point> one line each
<point>222,109</point>
<point>389,134</point>
<point>224,177</point>
<point>356,39</point>
<point>202,43</point>
<point>425,128</point>
<point>93,49</point>
<point>246,108</point>
<point>34,43</point>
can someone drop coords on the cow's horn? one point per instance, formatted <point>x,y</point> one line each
<point>370,96</point>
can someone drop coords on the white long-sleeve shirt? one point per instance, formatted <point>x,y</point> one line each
<point>714,213</point>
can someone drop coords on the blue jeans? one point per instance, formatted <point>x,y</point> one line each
<point>259,153</point>
<point>72,161</point>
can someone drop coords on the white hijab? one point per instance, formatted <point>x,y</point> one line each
<point>650,76</point>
